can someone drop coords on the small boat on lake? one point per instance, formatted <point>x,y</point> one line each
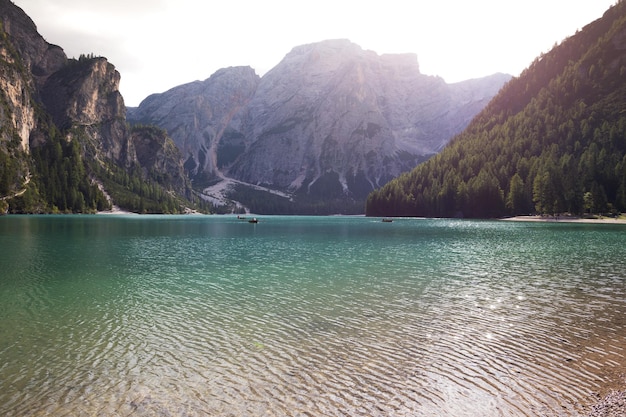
<point>241,217</point>
<point>387,220</point>
<point>253,220</point>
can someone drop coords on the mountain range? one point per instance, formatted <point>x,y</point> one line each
<point>552,141</point>
<point>318,133</point>
<point>326,126</point>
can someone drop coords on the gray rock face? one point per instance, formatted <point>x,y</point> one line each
<point>40,58</point>
<point>199,115</point>
<point>328,113</point>
<point>156,152</point>
<point>86,94</point>
<point>82,99</point>
<point>332,107</point>
<point>27,59</point>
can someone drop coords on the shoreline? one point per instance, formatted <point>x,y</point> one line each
<point>115,210</point>
<point>611,405</point>
<point>611,400</point>
<point>566,219</point>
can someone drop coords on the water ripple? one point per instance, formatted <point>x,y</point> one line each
<point>321,316</point>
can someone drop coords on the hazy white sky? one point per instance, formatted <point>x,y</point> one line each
<point>158,44</point>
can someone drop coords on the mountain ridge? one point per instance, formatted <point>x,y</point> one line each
<point>553,140</point>
<point>331,121</point>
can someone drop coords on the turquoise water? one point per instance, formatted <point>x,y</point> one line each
<point>333,316</point>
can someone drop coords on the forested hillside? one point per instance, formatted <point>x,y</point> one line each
<point>552,141</point>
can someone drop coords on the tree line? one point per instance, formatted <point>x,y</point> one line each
<point>552,141</point>
<point>64,181</point>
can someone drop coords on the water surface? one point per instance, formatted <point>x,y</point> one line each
<point>333,316</point>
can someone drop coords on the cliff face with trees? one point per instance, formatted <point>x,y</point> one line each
<point>552,141</point>
<point>65,145</point>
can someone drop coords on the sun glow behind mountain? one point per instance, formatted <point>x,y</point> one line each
<point>158,45</point>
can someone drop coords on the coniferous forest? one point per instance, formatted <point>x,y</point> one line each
<point>552,141</point>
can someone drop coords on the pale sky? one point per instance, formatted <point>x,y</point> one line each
<point>159,44</point>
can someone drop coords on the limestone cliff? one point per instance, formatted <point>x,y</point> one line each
<point>85,94</point>
<point>199,116</point>
<point>45,95</point>
<point>17,88</point>
<point>335,109</point>
<point>157,152</point>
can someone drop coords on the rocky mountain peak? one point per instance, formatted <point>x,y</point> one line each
<point>324,55</point>
<point>343,112</point>
<point>330,121</point>
<point>199,115</point>
<point>40,57</point>
<point>405,63</point>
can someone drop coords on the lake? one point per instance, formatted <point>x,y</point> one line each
<point>307,316</point>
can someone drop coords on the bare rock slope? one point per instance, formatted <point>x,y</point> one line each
<point>331,120</point>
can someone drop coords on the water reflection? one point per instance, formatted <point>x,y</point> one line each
<point>325,316</point>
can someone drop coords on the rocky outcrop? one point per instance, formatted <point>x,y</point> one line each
<point>27,61</point>
<point>158,155</point>
<point>85,94</point>
<point>39,57</point>
<point>17,110</point>
<point>330,120</point>
<point>43,93</point>
<point>199,116</point>
<point>337,109</point>
<point>21,52</point>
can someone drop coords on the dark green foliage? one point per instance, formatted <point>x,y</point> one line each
<point>9,173</point>
<point>550,137</point>
<point>87,57</point>
<point>64,180</point>
<point>133,191</point>
<point>326,186</point>
<point>263,202</point>
<point>63,183</point>
<point>359,185</point>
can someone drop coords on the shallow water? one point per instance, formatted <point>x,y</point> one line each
<point>333,316</point>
